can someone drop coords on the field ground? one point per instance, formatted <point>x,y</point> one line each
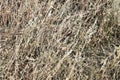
<point>59,40</point>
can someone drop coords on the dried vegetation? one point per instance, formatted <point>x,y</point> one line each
<point>59,40</point>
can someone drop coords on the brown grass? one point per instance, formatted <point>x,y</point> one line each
<point>59,40</point>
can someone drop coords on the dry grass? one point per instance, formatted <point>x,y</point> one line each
<point>59,40</point>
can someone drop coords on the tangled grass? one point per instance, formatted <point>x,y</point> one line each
<point>59,40</point>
